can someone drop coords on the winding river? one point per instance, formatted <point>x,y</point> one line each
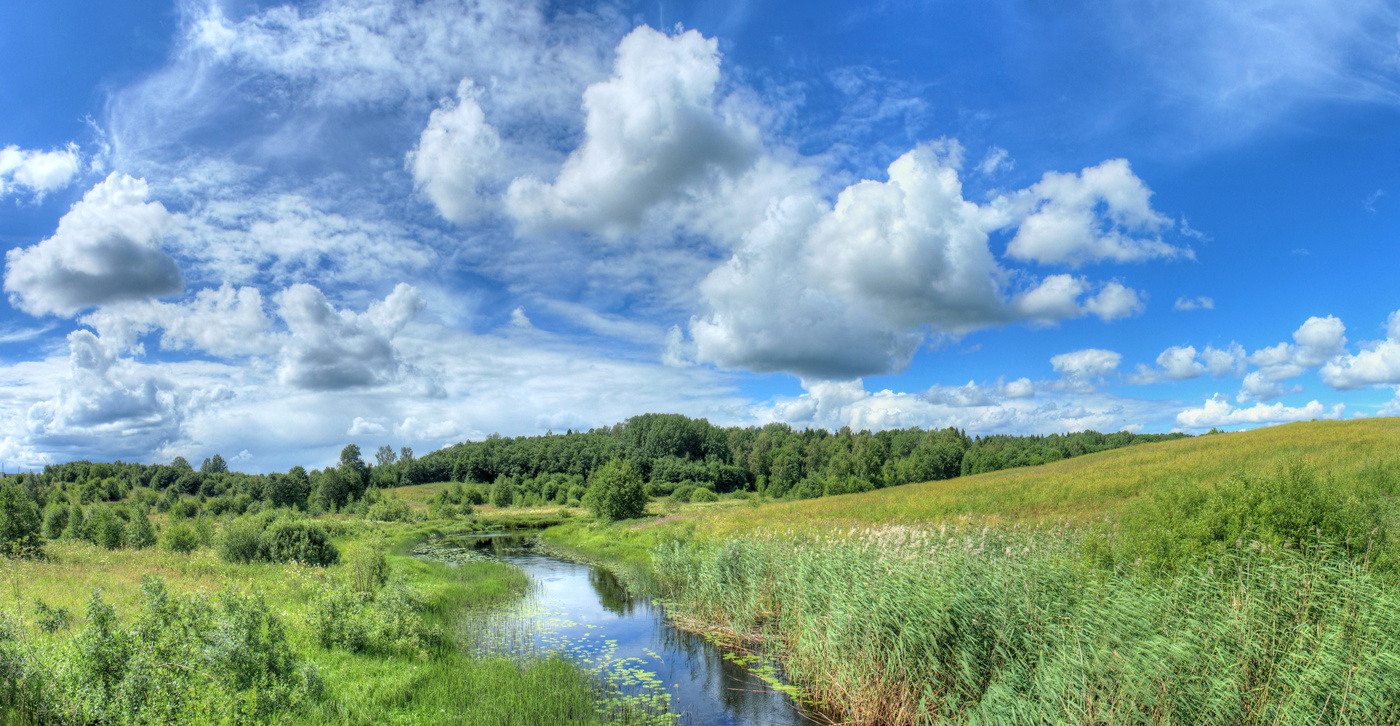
<point>585,612</point>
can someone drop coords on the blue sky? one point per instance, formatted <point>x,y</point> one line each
<point>269,230</point>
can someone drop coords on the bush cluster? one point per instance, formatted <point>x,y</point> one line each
<point>184,659</point>
<point>284,539</point>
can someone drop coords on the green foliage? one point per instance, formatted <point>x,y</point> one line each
<point>1007,626</point>
<point>1178,523</point>
<point>55,521</point>
<point>616,492</point>
<point>299,540</point>
<point>386,623</point>
<point>366,567</point>
<point>502,493</point>
<point>51,619</point>
<point>388,510</point>
<point>109,531</point>
<point>179,537</point>
<point>703,496</point>
<point>140,533</point>
<point>20,529</point>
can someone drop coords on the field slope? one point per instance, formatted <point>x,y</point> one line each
<point>1092,485</point>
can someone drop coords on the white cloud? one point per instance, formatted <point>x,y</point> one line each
<point>363,427</point>
<point>332,350</point>
<point>1217,411</point>
<point>1115,301</point>
<point>653,129</point>
<point>972,407</point>
<point>1086,364</point>
<point>1378,363</point>
<point>1314,342</point>
<point>997,159</point>
<point>107,249</point>
<point>1230,361</point>
<point>456,154</point>
<point>1020,388</point>
<point>37,172</point>
<point>519,319</point>
<point>834,291</point>
<point>1194,303</point>
<point>224,321</point>
<point>1074,219</point>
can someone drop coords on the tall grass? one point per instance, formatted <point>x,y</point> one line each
<point>896,625</point>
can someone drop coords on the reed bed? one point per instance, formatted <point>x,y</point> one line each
<point>1009,625</point>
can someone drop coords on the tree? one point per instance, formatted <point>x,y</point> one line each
<point>20,530</point>
<point>502,492</point>
<point>139,532</point>
<point>353,469</point>
<point>180,463</point>
<point>214,465</point>
<point>616,492</point>
<point>406,453</point>
<point>386,456</point>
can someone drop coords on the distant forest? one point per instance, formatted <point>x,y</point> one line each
<point>675,456</point>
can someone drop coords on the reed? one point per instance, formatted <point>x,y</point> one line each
<point>900,625</point>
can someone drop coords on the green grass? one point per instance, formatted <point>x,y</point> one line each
<point>1244,578</point>
<point>442,685</point>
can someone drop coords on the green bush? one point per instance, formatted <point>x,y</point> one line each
<point>1179,524</point>
<point>299,540</point>
<point>179,537</point>
<point>109,531</point>
<point>140,534</point>
<point>51,619</point>
<point>366,568</point>
<point>20,530</point>
<point>388,510</point>
<point>702,495</point>
<point>389,623</point>
<point>242,542</point>
<point>502,493</point>
<point>55,521</point>
<point>616,492</point>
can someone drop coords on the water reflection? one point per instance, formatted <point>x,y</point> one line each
<point>586,612</point>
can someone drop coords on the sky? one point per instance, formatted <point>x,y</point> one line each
<point>268,230</point>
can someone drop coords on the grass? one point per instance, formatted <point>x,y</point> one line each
<point>444,685</point>
<point>1015,596</point>
<point>1088,486</point>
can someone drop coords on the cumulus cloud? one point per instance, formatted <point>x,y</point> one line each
<point>363,427</point>
<point>1378,363</point>
<point>1314,342</point>
<point>997,159</point>
<point>224,321</point>
<point>1019,388</point>
<point>1073,219</point>
<point>1087,364</point>
<point>836,291</point>
<point>456,154</point>
<point>973,407</point>
<point>1217,411</point>
<point>1194,303</point>
<point>1229,361</point>
<point>1177,363</point>
<point>108,401</point>
<point>333,349</point>
<point>651,130</point>
<point>107,249</point>
<point>37,172</point>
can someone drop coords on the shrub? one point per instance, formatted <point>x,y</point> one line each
<point>109,532</point>
<point>299,540</point>
<point>616,492</point>
<point>702,496</point>
<point>366,569</point>
<point>179,537</point>
<point>502,493</point>
<point>140,534</point>
<point>51,619</point>
<point>388,510</point>
<point>20,530</point>
<point>55,521</point>
<point>242,542</point>
<point>389,624</point>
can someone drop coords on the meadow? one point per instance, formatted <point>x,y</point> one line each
<point>1241,578</point>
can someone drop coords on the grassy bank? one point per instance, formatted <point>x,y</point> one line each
<point>152,636</point>
<point>1233,579</point>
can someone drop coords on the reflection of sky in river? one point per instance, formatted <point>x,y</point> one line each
<point>587,613</point>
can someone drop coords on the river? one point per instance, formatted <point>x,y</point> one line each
<point>586,613</point>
